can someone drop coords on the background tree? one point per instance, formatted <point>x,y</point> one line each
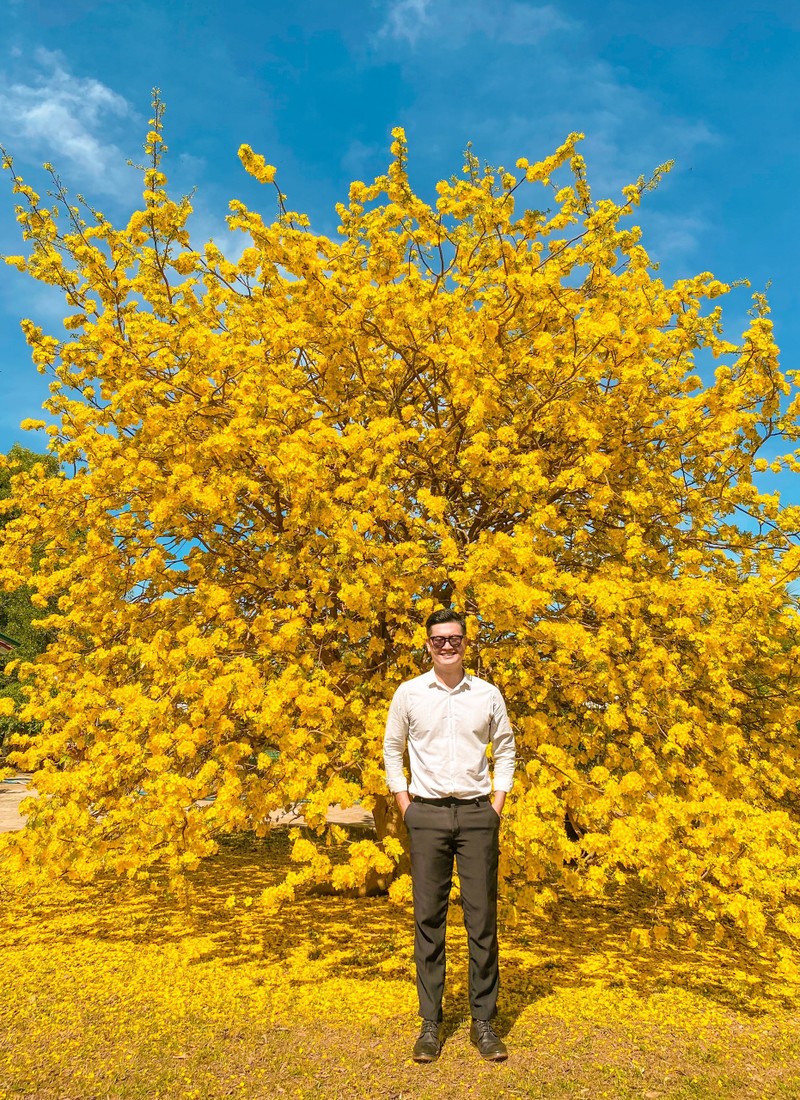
<point>282,465</point>
<point>17,613</point>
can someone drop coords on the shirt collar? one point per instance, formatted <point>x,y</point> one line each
<point>433,681</point>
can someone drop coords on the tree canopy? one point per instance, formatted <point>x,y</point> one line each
<point>283,463</point>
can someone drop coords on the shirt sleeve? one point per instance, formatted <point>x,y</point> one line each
<point>394,742</point>
<point>503,748</point>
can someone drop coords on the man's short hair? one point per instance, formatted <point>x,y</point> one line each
<point>445,615</point>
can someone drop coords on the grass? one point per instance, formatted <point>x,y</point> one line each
<point>121,992</point>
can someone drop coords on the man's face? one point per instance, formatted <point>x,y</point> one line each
<point>449,654</point>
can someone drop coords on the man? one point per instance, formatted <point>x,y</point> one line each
<point>448,718</point>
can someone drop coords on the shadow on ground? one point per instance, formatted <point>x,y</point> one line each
<point>581,943</point>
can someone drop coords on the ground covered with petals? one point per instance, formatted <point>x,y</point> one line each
<point>128,992</point>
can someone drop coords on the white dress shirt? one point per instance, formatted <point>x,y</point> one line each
<point>447,731</point>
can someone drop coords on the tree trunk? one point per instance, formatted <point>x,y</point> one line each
<point>388,822</point>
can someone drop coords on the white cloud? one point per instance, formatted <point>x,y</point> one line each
<point>526,25</point>
<point>450,22</point>
<point>21,296</point>
<point>406,20</point>
<point>360,160</point>
<point>209,225</point>
<point>673,239</point>
<point>191,166</point>
<point>66,119</point>
<point>515,77</point>
<point>628,131</point>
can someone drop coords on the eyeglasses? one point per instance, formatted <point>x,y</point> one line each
<point>438,642</point>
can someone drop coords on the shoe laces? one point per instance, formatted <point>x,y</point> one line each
<point>429,1026</point>
<point>485,1029</point>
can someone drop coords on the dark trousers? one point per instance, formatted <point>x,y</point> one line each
<point>466,833</point>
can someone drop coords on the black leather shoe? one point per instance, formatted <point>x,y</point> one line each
<point>489,1045</point>
<point>427,1046</point>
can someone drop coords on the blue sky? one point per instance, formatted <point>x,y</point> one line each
<point>317,86</point>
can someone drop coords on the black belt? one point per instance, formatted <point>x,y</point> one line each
<point>451,801</point>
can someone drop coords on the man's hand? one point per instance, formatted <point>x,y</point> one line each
<point>498,801</point>
<point>403,802</point>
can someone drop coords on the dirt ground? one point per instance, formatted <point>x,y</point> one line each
<point>12,792</point>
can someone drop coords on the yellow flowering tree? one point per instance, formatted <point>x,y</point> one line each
<point>279,466</point>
